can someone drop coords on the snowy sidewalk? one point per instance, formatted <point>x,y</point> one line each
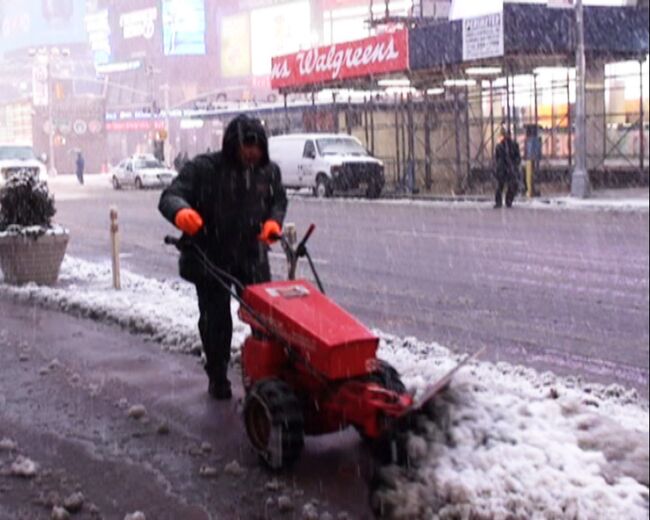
<point>506,441</point>
<point>637,200</point>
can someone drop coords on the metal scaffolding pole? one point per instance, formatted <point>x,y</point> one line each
<point>410,117</point>
<point>287,126</point>
<point>468,146</point>
<point>459,164</point>
<point>481,151</point>
<point>641,123</point>
<point>403,116</point>
<point>569,118</point>
<point>580,186</point>
<point>398,168</point>
<point>372,125</point>
<point>335,113</point>
<point>492,120</point>
<point>365,120</point>
<point>427,142</point>
<point>536,102</point>
<point>508,121</point>
<point>348,117</point>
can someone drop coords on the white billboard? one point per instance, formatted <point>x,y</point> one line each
<point>278,30</point>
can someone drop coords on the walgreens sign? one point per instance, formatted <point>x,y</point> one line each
<point>376,55</point>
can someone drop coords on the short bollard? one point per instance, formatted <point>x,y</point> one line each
<point>115,248</point>
<point>530,171</point>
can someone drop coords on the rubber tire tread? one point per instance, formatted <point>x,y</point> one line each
<point>286,413</point>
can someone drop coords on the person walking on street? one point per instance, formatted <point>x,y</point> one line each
<point>508,163</point>
<point>231,204</point>
<point>80,165</point>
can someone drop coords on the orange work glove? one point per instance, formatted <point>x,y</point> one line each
<point>271,231</point>
<point>188,221</point>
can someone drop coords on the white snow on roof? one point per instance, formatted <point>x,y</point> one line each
<point>505,441</point>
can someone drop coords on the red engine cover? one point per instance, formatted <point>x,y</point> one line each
<point>329,338</point>
<point>261,359</point>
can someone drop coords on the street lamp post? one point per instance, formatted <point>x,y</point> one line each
<point>50,116</point>
<point>580,186</point>
<point>48,54</point>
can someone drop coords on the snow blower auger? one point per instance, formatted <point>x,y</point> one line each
<point>310,368</point>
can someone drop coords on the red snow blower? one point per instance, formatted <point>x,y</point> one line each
<point>310,368</point>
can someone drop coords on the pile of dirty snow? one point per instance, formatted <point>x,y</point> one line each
<point>507,442</point>
<point>164,311</point>
<point>503,442</point>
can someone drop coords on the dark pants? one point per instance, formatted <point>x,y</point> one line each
<point>80,176</point>
<point>504,181</point>
<point>215,321</point>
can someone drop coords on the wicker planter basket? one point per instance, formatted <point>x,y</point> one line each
<point>25,258</point>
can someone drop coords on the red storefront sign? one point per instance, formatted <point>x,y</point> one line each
<point>379,54</point>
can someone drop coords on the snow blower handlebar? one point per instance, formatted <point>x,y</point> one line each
<point>295,254</point>
<point>226,281</point>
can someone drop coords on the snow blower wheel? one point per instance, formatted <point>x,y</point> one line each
<point>274,423</point>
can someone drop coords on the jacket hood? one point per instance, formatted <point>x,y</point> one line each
<point>244,129</point>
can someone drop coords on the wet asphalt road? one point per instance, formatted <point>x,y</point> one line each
<point>562,290</point>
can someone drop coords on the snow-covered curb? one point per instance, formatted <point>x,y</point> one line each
<point>165,311</point>
<point>626,205</point>
<point>622,204</point>
<point>508,442</point>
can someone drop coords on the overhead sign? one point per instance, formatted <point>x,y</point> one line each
<point>235,46</point>
<point>381,54</point>
<point>139,24</point>
<point>40,90</point>
<point>183,27</point>
<point>483,37</point>
<point>99,33</point>
<point>274,32</point>
<point>32,23</point>
<point>122,66</point>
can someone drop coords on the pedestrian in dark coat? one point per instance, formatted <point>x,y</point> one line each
<point>80,165</point>
<point>508,163</point>
<point>231,204</point>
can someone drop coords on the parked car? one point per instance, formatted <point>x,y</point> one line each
<point>15,158</point>
<point>141,171</point>
<point>327,163</point>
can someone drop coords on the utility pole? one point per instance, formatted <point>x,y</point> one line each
<point>169,155</point>
<point>580,186</point>
<point>50,112</point>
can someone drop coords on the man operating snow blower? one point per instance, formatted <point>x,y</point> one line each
<point>231,204</point>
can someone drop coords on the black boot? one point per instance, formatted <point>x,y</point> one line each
<point>219,389</point>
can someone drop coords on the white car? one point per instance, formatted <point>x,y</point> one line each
<point>141,171</point>
<point>15,158</point>
<point>327,163</point>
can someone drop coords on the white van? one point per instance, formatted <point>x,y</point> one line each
<point>327,163</point>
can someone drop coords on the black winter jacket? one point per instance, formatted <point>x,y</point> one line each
<point>234,202</point>
<point>508,159</point>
